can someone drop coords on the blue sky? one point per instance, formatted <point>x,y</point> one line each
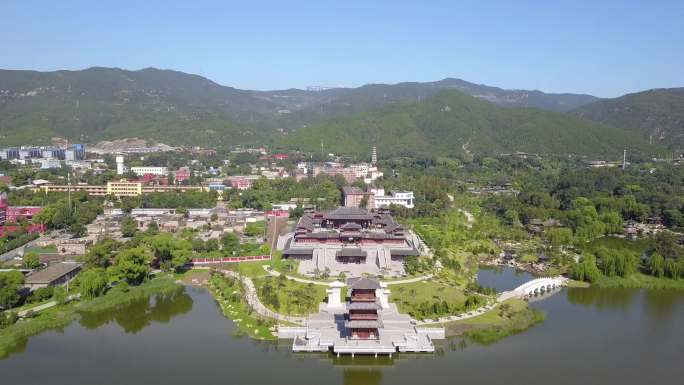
<point>606,48</point>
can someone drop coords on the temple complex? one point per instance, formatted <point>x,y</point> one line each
<point>353,241</point>
<point>365,323</point>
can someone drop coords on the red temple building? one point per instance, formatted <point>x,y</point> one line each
<point>362,318</point>
<point>351,240</point>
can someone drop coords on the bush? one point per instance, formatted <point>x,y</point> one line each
<point>42,294</point>
<point>7,319</point>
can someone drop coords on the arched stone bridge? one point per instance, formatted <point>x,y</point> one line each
<point>535,286</point>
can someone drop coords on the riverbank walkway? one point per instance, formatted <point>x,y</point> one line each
<point>253,300</point>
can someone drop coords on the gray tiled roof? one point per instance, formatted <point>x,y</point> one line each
<point>52,272</point>
<point>363,283</point>
<point>351,252</point>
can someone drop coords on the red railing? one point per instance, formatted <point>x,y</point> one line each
<point>214,261</point>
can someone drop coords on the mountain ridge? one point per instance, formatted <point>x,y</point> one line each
<point>174,107</point>
<point>656,115</point>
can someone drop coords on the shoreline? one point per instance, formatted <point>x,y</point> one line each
<point>15,337</point>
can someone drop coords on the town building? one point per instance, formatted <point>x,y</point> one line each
<point>154,170</point>
<point>118,188</point>
<point>375,198</point>
<point>120,167</point>
<point>73,152</point>
<point>53,275</point>
<point>354,197</point>
<point>398,198</point>
<point>240,183</point>
<point>16,213</point>
<point>3,209</point>
<point>182,174</point>
<point>353,241</point>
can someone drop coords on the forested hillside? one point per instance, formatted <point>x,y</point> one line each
<point>105,103</point>
<point>655,115</point>
<point>452,122</point>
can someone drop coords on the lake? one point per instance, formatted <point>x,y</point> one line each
<point>590,336</point>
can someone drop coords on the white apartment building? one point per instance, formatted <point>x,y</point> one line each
<point>399,198</point>
<point>140,171</point>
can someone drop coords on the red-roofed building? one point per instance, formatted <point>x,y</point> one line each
<point>182,174</point>
<point>16,213</point>
<point>32,228</point>
<point>154,179</point>
<point>281,156</point>
<point>240,183</point>
<point>3,210</point>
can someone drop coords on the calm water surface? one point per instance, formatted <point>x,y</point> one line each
<point>590,337</point>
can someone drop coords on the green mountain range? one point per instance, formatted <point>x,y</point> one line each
<point>451,122</point>
<point>105,103</point>
<point>445,117</point>
<point>655,115</point>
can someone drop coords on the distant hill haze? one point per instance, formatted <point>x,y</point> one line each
<point>444,117</point>
<point>377,94</point>
<point>656,115</point>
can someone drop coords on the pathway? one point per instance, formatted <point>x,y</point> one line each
<point>521,291</point>
<point>452,318</point>
<point>470,218</point>
<point>324,283</point>
<point>44,306</point>
<point>253,300</point>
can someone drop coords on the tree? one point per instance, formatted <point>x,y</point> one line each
<point>45,216</point>
<point>100,254</point>
<point>131,265</point>
<point>212,245</point>
<point>672,268</point>
<point>153,228</point>
<point>586,270</point>
<point>78,230</point>
<point>230,243</point>
<point>31,260</point>
<point>93,282</point>
<point>657,265</point>
<point>559,236</point>
<point>180,258</point>
<point>10,284</point>
<point>128,226</point>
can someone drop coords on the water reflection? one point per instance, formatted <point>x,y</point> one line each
<point>604,299</point>
<point>140,313</point>
<point>502,278</point>
<point>362,376</point>
<point>662,305</point>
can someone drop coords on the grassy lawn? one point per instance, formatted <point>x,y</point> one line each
<point>637,245</point>
<point>639,281</point>
<point>50,249</point>
<point>228,293</point>
<point>510,317</point>
<point>409,297</point>
<point>289,297</point>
